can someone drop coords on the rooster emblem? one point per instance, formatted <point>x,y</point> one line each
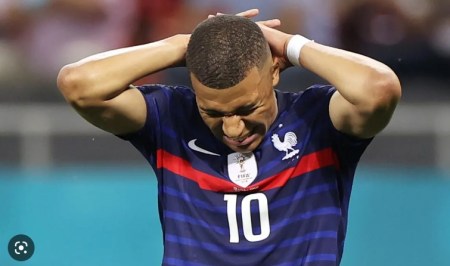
<point>287,145</point>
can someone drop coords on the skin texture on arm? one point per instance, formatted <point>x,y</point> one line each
<point>98,86</point>
<point>367,90</point>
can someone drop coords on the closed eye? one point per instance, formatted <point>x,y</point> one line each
<point>246,111</point>
<point>241,111</point>
<point>214,114</point>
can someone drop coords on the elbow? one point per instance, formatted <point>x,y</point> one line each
<point>391,87</point>
<point>385,90</point>
<point>71,83</point>
<point>68,83</point>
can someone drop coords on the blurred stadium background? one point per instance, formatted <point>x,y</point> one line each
<point>87,198</point>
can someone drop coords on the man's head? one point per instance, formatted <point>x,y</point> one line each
<point>223,49</point>
<point>233,76</point>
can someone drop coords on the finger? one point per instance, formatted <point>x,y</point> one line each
<point>249,13</point>
<point>271,23</point>
<point>217,14</point>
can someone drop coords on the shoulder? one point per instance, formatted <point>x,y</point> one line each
<point>166,90</point>
<point>317,92</point>
<point>312,96</point>
<point>166,105</point>
<point>159,95</point>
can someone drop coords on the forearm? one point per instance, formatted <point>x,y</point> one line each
<point>359,79</point>
<point>104,76</point>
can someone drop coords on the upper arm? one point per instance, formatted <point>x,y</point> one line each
<point>125,113</point>
<point>366,119</point>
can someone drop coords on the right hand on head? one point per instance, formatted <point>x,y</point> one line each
<point>182,39</point>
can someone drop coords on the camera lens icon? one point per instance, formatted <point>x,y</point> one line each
<point>21,247</point>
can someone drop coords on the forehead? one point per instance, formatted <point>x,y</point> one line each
<point>251,90</point>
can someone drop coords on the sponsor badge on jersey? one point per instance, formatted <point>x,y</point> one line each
<point>242,168</point>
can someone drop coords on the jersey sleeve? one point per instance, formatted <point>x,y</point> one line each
<point>349,148</point>
<point>166,106</point>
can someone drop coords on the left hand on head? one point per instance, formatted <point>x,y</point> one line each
<point>278,41</point>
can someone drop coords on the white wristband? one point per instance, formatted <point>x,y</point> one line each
<point>294,47</point>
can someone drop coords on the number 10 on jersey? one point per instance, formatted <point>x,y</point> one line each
<point>247,224</point>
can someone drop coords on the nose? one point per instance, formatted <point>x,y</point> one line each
<point>233,126</point>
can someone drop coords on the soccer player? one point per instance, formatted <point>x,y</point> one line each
<point>247,174</point>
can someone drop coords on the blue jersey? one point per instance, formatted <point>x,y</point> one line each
<point>286,203</point>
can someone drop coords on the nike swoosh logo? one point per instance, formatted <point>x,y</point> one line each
<point>193,146</point>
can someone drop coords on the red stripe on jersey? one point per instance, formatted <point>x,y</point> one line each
<point>307,163</point>
<point>183,168</point>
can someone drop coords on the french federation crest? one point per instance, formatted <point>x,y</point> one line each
<point>242,168</point>
<point>287,145</point>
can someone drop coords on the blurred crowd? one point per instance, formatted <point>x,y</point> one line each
<point>38,37</point>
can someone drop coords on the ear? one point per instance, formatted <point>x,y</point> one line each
<point>275,71</point>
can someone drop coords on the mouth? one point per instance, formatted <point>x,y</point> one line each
<point>241,142</point>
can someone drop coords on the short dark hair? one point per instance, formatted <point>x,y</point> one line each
<point>223,49</point>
